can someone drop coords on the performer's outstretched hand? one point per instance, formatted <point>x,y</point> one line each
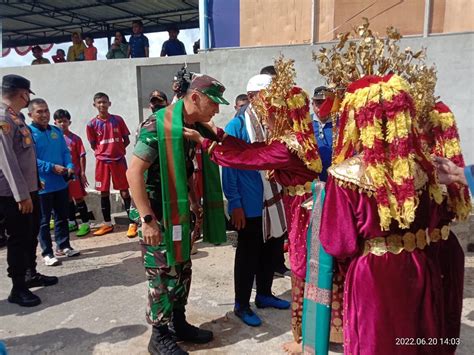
<point>192,135</point>
<point>448,172</point>
<point>210,126</point>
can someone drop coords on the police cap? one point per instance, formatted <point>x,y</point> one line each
<point>12,81</point>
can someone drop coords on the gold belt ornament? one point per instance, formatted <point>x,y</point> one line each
<point>298,190</point>
<point>409,241</point>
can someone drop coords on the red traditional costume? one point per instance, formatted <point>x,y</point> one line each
<point>403,291</point>
<point>442,139</point>
<point>292,155</point>
<point>387,206</point>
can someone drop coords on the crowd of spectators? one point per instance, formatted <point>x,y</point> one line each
<point>138,46</point>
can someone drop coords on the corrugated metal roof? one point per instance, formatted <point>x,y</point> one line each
<point>52,21</point>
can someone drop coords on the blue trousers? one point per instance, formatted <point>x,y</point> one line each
<point>57,201</point>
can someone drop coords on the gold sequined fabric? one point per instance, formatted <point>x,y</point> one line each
<point>336,332</point>
<point>409,241</point>
<point>352,173</point>
<point>297,293</point>
<point>298,190</point>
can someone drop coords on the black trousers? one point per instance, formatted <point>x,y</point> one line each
<point>253,259</point>
<point>22,231</point>
<point>279,256</point>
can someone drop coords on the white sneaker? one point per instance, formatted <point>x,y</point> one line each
<point>95,225</point>
<point>51,261</point>
<point>67,252</point>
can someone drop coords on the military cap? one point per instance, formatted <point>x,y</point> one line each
<point>209,87</point>
<point>12,81</point>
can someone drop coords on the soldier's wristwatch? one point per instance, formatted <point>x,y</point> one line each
<point>146,219</point>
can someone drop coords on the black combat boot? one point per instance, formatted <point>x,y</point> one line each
<point>21,295</point>
<point>3,235</point>
<point>187,332</point>
<point>162,342</point>
<point>35,279</point>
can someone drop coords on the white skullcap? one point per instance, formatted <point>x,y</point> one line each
<point>258,82</point>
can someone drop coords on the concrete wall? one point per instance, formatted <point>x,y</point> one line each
<point>152,77</point>
<point>72,86</point>
<point>128,82</point>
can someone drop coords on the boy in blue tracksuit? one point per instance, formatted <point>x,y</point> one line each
<point>55,168</point>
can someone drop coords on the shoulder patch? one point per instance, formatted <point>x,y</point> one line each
<point>56,132</point>
<point>149,123</point>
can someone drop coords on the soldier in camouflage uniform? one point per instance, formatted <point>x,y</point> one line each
<point>168,286</point>
<point>165,288</point>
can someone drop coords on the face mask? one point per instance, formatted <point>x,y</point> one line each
<point>27,100</point>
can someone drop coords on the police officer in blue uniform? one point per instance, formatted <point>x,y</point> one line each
<point>19,185</point>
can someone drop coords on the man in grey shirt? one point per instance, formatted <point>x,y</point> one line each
<point>19,185</point>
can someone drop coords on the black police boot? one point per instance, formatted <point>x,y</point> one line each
<point>187,332</point>
<point>23,297</point>
<point>3,241</point>
<point>162,342</point>
<point>35,279</point>
<point>3,236</point>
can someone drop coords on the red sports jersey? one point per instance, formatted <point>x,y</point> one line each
<point>108,137</point>
<point>74,143</point>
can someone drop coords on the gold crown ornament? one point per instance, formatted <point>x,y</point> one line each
<point>287,106</point>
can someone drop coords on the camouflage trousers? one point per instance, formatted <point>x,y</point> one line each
<point>168,286</point>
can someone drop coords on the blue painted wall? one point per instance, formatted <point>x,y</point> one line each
<point>224,21</point>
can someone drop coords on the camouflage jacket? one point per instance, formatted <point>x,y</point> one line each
<point>146,148</point>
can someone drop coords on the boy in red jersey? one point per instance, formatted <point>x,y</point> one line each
<point>77,192</point>
<point>108,136</point>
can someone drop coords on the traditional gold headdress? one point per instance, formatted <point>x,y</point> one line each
<point>288,107</point>
<point>364,52</point>
<point>382,95</point>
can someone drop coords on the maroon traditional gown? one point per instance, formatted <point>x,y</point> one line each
<point>289,171</point>
<point>393,303</point>
<point>450,257</point>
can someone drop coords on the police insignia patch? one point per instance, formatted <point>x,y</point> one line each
<point>5,127</point>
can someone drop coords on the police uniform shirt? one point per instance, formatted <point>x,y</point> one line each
<point>18,171</point>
